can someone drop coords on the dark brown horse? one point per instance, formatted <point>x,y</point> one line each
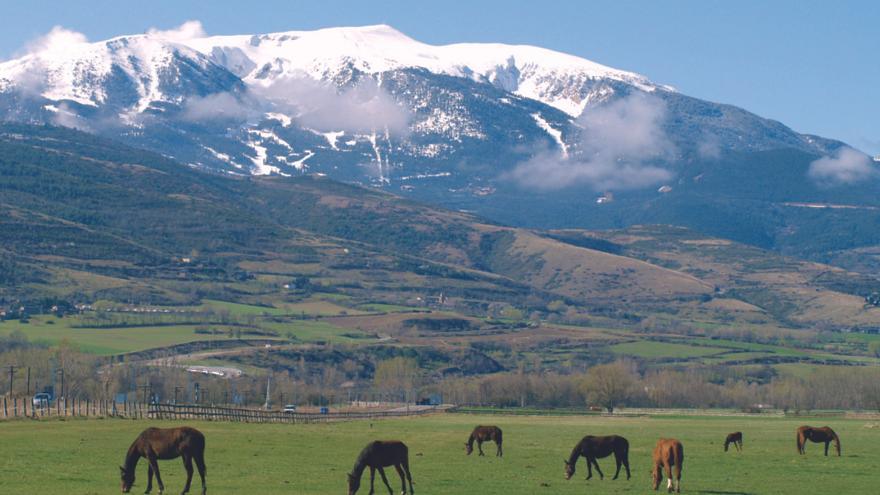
<point>668,456</point>
<point>377,455</point>
<point>817,435</point>
<point>484,434</point>
<point>154,444</point>
<point>735,438</point>
<point>593,448</point>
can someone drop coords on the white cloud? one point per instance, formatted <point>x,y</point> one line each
<point>846,166</point>
<point>64,116</point>
<point>186,31</point>
<point>614,150</point>
<point>223,106</point>
<point>58,38</point>
<point>362,108</point>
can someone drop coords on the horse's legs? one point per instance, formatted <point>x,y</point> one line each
<point>149,478</point>
<point>678,477</point>
<point>402,479</point>
<point>826,448</point>
<point>617,471</point>
<point>385,480</point>
<point>589,467</point>
<point>596,463</point>
<point>372,479</point>
<point>188,465</point>
<point>498,452</point>
<point>155,466</point>
<point>408,475</point>
<point>200,465</point>
<point>739,446</point>
<point>480,446</point>
<point>669,481</point>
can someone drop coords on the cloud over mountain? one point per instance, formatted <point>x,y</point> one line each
<point>846,167</point>
<point>616,145</point>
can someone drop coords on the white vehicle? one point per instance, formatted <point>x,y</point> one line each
<point>289,409</point>
<point>42,400</point>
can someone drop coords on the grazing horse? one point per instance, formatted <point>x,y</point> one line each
<point>165,443</point>
<point>817,435</point>
<point>593,448</point>
<point>377,455</point>
<point>669,456</point>
<point>735,438</point>
<point>484,434</point>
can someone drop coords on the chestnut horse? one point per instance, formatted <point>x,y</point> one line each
<point>593,448</point>
<point>817,435</point>
<point>669,456</point>
<point>735,438</point>
<point>161,443</point>
<point>377,455</point>
<point>484,434</point>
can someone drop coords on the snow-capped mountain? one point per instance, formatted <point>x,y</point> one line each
<point>490,127</point>
<point>563,81</point>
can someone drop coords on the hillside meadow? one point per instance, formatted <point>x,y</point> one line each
<point>81,456</point>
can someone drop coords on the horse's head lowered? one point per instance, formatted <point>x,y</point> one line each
<point>468,448</point>
<point>354,483</point>
<point>569,469</point>
<point>127,479</point>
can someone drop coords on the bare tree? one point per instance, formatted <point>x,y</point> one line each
<point>610,385</point>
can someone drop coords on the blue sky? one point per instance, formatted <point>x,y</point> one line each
<point>813,65</point>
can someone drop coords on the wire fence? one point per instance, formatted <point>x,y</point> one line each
<point>22,408</point>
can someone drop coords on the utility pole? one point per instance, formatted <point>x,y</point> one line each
<point>145,387</point>
<point>268,381</point>
<point>11,377</point>
<point>29,381</point>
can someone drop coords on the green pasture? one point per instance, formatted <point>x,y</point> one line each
<point>81,456</point>
<point>105,341</point>
<point>653,350</point>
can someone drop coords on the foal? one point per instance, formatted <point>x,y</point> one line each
<point>735,438</point>
<point>377,455</point>
<point>668,456</point>
<point>593,448</point>
<point>157,443</point>
<point>484,434</point>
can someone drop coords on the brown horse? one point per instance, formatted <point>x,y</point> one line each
<point>817,435</point>
<point>377,455</point>
<point>593,448</point>
<point>484,434</point>
<point>156,443</point>
<point>735,438</point>
<point>668,455</point>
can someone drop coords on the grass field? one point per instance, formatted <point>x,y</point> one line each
<point>81,456</point>
<point>106,341</point>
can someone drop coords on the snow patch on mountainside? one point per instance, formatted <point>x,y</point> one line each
<point>554,133</point>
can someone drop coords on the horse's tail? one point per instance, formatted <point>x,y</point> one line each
<point>726,443</point>
<point>498,435</point>
<point>800,442</point>
<point>836,442</point>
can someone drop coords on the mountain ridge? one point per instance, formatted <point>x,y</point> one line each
<point>476,137</point>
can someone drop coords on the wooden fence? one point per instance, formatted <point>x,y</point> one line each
<point>23,408</point>
<point>20,407</point>
<point>215,413</point>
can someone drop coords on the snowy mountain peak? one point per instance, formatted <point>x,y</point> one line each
<point>126,71</point>
<point>564,81</point>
